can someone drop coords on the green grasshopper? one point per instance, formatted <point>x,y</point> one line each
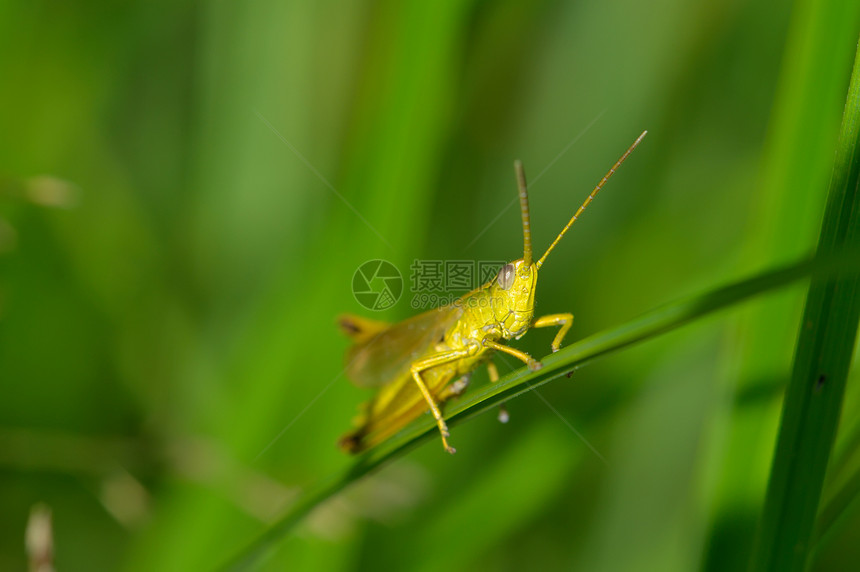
<point>412,363</point>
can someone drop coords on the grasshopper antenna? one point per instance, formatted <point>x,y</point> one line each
<point>590,198</point>
<point>524,211</point>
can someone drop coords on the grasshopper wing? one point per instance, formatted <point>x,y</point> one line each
<point>384,351</point>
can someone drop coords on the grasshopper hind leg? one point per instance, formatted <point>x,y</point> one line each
<point>366,436</point>
<point>428,363</point>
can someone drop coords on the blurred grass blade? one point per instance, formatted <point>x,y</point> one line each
<point>841,495</point>
<point>825,344</point>
<point>663,319</point>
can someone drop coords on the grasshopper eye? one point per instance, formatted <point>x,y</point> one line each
<point>506,276</point>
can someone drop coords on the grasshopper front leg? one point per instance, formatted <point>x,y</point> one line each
<point>425,364</point>
<point>563,320</point>
<point>533,364</point>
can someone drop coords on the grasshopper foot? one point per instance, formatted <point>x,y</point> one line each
<point>445,434</point>
<point>534,365</point>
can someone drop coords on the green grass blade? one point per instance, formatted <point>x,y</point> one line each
<point>841,494</point>
<point>813,398</point>
<point>649,325</point>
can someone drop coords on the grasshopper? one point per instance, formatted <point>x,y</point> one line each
<point>413,363</point>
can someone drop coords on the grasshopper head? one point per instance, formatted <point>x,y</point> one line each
<point>513,295</point>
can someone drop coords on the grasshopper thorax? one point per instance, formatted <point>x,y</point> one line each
<point>513,297</point>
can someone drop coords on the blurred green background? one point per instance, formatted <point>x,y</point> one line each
<point>186,189</point>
